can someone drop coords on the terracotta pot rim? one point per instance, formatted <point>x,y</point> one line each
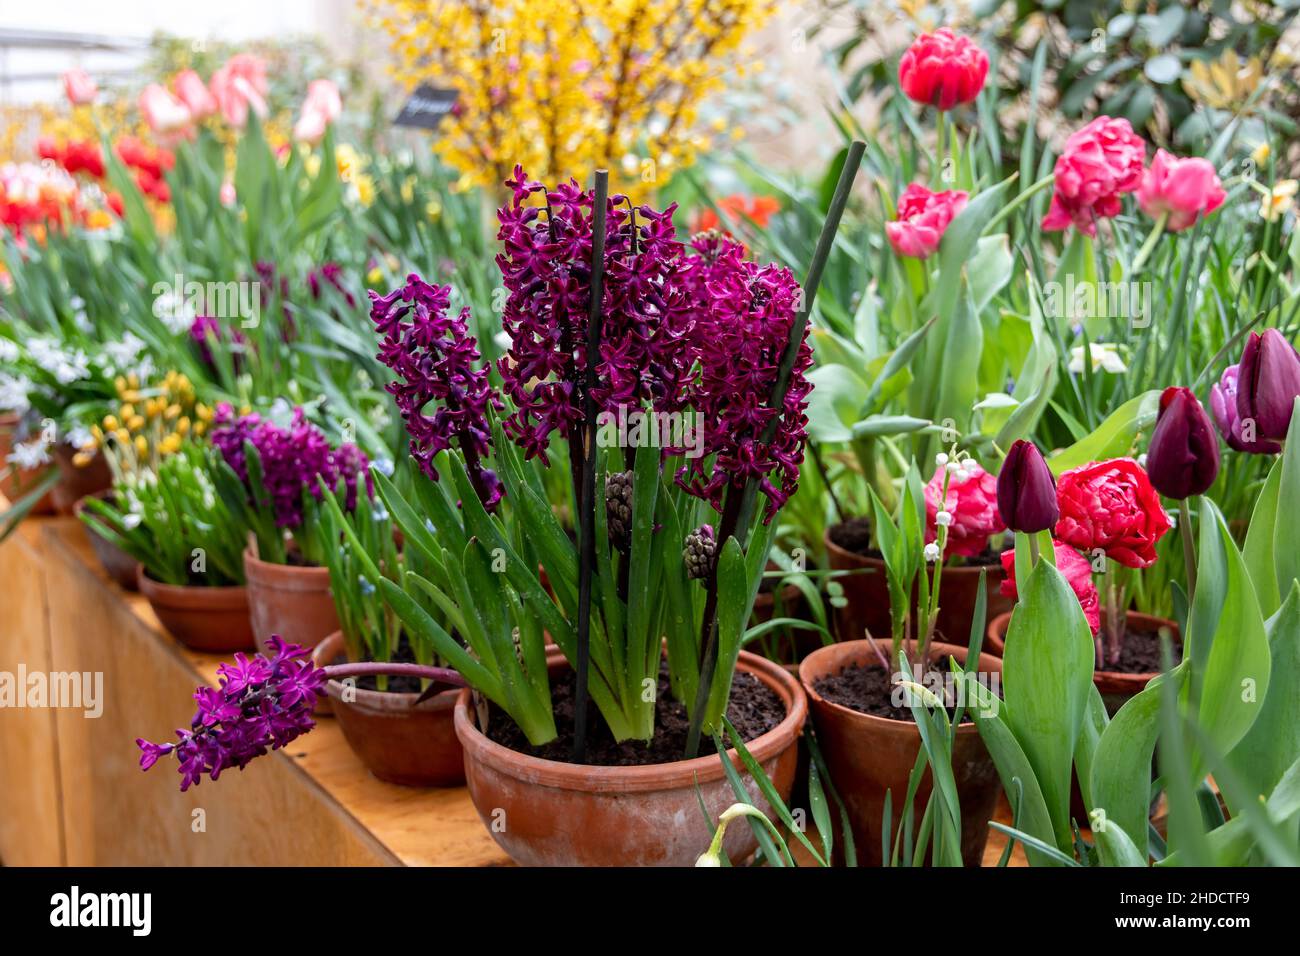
<point>878,563</point>
<point>219,597</point>
<point>286,576</point>
<point>327,650</point>
<point>998,628</point>
<point>806,679</point>
<point>648,777</point>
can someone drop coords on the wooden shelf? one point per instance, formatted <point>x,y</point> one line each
<point>71,791</point>
<point>311,804</point>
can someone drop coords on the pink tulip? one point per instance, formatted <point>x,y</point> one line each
<point>165,114</point>
<point>1100,162</point>
<point>1182,189</point>
<point>79,87</point>
<point>193,92</point>
<point>227,193</point>
<point>922,218</point>
<point>321,107</point>
<point>239,84</point>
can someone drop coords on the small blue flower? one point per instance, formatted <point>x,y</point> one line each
<point>367,588</point>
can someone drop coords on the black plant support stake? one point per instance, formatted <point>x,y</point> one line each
<point>587,504</point>
<point>744,513</point>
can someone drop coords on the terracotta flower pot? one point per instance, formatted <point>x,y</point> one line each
<point>548,813</point>
<point>14,483</point>
<point>397,739</point>
<point>210,619</point>
<point>867,595</point>
<point>1115,687</point>
<point>121,567</point>
<point>292,601</point>
<point>76,482</point>
<point>868,755</point>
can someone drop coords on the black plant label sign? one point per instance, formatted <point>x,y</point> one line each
<point>426,107</point>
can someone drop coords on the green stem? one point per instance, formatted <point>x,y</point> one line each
<point>1145,252</point>
<point>1189,547</point>
<point>1023,197</point>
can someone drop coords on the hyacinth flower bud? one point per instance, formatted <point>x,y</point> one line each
<point>1183,457</point>
<point>1268,382</point>
<point>1027,490</point>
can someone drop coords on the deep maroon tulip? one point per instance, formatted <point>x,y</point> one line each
<point>1267,384</point>
<point>1027,490</point>
<point>1183,457</point>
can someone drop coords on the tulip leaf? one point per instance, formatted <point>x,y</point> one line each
<point>1285,553</point>
<point>1260,549</point>
<point>1014,769</point>
<point>1114,437</point>
<point>1046,672</point>
<point>1121,768</point>
<point>1226,640</point>
<point>1115,848</point>
<point>1273,742</point>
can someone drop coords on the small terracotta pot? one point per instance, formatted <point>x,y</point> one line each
<point>13,482</point>
<point>869,755</point>
<point>397,739</point>
<point>294,602</point>
<point>1115,687</point>
<point>866,596</point>
<point>210,619</point>
<point>76,482</point>
<point>121,567</point>
<point>548,813</point>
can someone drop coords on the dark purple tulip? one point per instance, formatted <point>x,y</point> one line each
<point>1027,490</point>
<point>1223,405</point>
<point>1183,457</point>
<point>1267,384</point>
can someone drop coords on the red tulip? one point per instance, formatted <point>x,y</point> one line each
<point>1183,458</point>
<point>1099,163</point>
<point>1183,190</point>
<point>943,69</point>
<point>923,217</point>
<point>1112,506</point>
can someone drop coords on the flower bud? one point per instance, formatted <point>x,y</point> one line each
<point>1027,490</point>
<point>1183,458</point>
<point>1267,384</point>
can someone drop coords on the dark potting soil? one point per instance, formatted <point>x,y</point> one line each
<point>402,684</point>
<point>1139,652</point>
<point>753,710</point>
<point>855,535</point>
<point>868,690</point>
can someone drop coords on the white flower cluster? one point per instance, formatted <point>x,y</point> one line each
<point>66,365</point>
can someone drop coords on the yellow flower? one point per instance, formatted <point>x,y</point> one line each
<point>1224,83</point>
<point>110,423</point>
<point>375,276</point>
<point>141,445</point>
<point>126,412</point>
<point>183,426</point>
<point>1260,154</point>
<point>203,412</point>
<point>170,445</point>
<point>581,87</point>
<point>1279,200</point>
<point>82,458</point>
<point>136,423</point>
